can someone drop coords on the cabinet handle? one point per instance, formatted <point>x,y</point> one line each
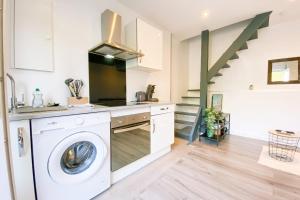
<point>153,126</point>
<point>140,59</point>
<point>21,133</point>
<point>164,108</point>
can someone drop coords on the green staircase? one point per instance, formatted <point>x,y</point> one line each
<point>190,131</point>
<point>249,33</point>
<point>186,113</point>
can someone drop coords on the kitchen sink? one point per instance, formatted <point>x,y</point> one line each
<point>30,109</point>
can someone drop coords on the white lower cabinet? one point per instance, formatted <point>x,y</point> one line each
<point>21,160</point>
<point>162,133</point>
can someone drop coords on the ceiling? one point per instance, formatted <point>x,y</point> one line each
<point>187,18</point>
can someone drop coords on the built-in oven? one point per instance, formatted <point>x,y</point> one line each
<point>130,139</point>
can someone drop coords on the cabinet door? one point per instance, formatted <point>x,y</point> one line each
<point>33,35</point>
<point>150,43</point>
<point>162,133</point>
<point>21,162</point>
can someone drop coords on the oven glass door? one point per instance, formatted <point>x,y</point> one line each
<point>129,143</point>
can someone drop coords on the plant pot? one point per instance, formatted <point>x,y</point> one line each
<point>210,133</point>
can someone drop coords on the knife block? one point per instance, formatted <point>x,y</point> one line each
<point>75,101</point>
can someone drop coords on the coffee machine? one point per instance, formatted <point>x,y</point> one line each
<point>149,93</point>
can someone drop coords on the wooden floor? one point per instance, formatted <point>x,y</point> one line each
<point>201,171</point>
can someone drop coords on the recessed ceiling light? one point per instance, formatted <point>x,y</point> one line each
<point>205,14</point>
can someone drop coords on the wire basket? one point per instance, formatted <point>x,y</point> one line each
<point>283,145</point>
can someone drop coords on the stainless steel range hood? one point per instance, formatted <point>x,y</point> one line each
<point>111,47</point>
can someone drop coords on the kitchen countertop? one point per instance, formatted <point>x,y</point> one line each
<point>79,110</point>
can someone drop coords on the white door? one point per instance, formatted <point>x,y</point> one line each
<point>5,184</point>
<point>162,131</point>
<point>76,158</point>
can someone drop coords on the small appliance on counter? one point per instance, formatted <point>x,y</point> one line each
<point>140,96</point>
<point>149,93</point>
<point>75,87</point>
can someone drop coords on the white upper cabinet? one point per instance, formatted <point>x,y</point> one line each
<point>148,40</point>
<point>33,35</point>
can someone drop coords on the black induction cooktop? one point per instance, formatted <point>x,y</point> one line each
<point>120,103</point>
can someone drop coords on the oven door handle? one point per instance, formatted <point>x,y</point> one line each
<point>130,128</point>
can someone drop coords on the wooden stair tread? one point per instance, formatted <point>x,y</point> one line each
<point>226,66</point>
<point>266,24</point>
<point>219,74</point>
<point>193,90</point>
<point>234,56</point>
<point>185,113</point>
<point>187,104</point>
<point>244,46</point>
<point>190,97</point>
<point>254,36</point>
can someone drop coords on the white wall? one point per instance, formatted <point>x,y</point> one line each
<point>254,112</point>
<point>194,62</point>
<point>77,28</point>
<point>179,72</point>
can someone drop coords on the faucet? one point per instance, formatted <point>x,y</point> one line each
<point>13,101</point>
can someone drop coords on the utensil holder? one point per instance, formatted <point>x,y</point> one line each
<point>75,101</point>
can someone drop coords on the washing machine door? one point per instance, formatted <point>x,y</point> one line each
<point>76,158</point>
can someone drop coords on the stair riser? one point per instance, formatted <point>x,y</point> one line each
<point>185,118</point>
<point>193,93</point>
<point>191,100</point>
<point>180,126</point>
<point>181,136</point>
<point>187,109</point>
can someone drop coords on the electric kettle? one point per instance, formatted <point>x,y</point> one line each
<point>140,96</point>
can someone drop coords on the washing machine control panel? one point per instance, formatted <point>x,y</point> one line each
<point>79,121</point>
<point>44,125</point>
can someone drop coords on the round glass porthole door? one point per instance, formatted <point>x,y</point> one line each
<point>76,158</point>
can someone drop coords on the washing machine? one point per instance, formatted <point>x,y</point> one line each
<point>71,156</point>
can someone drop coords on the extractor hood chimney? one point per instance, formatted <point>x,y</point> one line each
<point>111,47</point>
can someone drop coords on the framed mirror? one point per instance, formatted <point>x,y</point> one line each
<point>284,71</point>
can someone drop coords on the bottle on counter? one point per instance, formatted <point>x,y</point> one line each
<point>37,99</point>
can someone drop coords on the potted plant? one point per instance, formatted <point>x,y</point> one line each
<point>213,119</point>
